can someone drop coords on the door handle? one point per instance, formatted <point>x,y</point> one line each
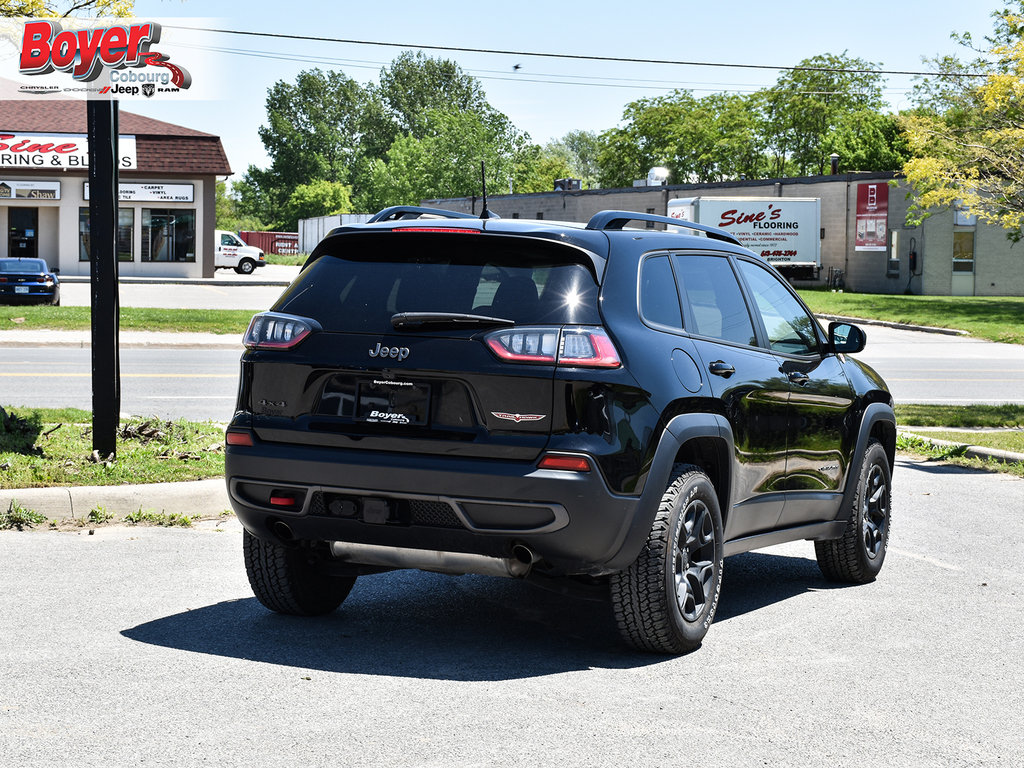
<point>797,377</point>
<point>721,368</point>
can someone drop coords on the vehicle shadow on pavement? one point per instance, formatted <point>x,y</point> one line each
<point>413,624</point>
<point>469,628</point>
<point>756,580</point>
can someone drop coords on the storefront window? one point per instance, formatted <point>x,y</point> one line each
<point>125,234</point>
<point>168,234</point>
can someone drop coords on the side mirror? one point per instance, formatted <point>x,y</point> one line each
<point>55,270</point>
<point>846,338</point>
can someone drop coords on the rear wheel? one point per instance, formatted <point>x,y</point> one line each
<point>857,557</point>
<point>286,580</point>
<point>665,601</point>
<point>245,267</point>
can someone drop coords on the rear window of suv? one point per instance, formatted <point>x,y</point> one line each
<point>358,288</point>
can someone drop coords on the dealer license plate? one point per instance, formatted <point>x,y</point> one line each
<point>393,402</point>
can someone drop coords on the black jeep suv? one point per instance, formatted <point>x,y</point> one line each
<point>610,407</point>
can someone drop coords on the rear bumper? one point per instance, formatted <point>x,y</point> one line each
<point>42,293</point>
<point>571,520</point>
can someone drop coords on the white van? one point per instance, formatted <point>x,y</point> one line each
<point>232,253</point>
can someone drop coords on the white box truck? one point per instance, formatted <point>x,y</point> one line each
<point>784,230</point>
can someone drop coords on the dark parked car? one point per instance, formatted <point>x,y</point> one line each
<point>594,407</point>
<point>28,280</point>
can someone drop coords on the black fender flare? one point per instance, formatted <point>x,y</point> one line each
<point>679,430</point>
<point>873,414</point>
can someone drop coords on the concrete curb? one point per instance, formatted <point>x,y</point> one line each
<point>198,497</point>
<point>971,451</point>
<point>900,326</point>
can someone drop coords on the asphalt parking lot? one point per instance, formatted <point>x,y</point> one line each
<point>145,647</point>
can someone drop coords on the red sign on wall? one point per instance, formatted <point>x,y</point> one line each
<point>872,216</point>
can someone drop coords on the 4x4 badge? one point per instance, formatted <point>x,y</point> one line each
<point>518,417</point>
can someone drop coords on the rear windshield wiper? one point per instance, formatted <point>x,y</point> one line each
<point>412,321</point>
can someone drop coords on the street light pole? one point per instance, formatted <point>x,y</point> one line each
<point>102,119</point>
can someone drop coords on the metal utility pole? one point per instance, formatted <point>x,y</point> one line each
<point>103,188</point>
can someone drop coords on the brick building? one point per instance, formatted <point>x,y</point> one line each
<point>955,254</point>
<point>167,176</point>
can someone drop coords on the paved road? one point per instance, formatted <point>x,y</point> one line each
<point>227,290</point>
<point>197,384</point>
<point>145,646</point>
<point>935,368</point>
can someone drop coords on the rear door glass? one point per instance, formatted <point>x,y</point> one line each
<point>360,288</point>
<point>714,301</point>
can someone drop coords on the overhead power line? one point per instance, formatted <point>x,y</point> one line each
<point>546,78</point>
<point>572,56</point>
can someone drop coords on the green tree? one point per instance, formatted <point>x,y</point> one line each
<point>714,138</point>
<point>868,141</point>
<point>536,168</point>
<point>808,103</point>
<point>580,150</point>
<point>313,132</point>
<point>967,133</point>
<point>229,216</point>
<point>44,8</point>
<point>318,198</point>
<point>446,161</point>
<point>415,84</point>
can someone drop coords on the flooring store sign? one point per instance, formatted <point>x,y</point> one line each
<point>116,61</point>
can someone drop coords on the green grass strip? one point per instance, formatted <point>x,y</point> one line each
<point>224,321</point>
<point>994,318</point>
<point>960,415</point>
<point>38,450</point>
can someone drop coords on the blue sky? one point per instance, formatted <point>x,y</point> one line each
<point>893,33</point>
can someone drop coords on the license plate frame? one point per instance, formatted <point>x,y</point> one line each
<point>393,401</point>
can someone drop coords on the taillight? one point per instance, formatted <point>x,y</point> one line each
<point>273,330</point>
<point>525,345</point>
<point>238,437</point>
<point>576,346</point>
<point>564,463</point>
<point>3,279</point>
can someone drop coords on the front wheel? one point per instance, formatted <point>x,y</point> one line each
<point>286,580</point>
<point>246,267</point>
<point>857,557</point>
<point>665,601</point>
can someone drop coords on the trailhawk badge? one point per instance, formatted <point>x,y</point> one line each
<point>518,417</point>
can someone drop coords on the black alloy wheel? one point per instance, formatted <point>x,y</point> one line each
<point>665,601</point>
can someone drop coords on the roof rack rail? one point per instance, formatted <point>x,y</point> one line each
<point>399,212</point>
<point>618,219</point>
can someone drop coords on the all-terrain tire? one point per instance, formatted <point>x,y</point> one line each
<point>246,267</point>
<point>285,579</point>
<point>857,557</point>
<point>666,600</point>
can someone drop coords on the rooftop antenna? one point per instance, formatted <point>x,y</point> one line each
<point>484,214</point>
